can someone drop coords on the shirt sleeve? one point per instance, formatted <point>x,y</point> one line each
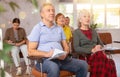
<point>6,37</point>
<point>63,35</point>
<point>24,34</point>
<point>80,48</point>
<point>35,34</point>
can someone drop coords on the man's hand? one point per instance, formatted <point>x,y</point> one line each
<point>49,54</point>
<point>62,57</point>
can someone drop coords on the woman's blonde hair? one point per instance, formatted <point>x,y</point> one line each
<point>81,13</point>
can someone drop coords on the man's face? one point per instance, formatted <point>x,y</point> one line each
<point>48,13</point>
<point>67,21</point>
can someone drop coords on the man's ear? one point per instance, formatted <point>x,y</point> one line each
<point>80,20</point>
<point>41,14</point>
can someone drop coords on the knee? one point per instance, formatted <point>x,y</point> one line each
<point>54,69</point>
<point>84,66</point>
<point>23,47</point>
<point>14,51</point>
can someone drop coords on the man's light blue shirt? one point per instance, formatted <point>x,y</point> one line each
<point>47,38</point>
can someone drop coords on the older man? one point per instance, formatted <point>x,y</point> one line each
<point>44,38</point>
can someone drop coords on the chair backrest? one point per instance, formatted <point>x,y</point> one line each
<point>106,37</point>
<point>1,40</point>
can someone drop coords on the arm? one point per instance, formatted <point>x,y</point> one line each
<point>32,43</point>
<point>20,43</point>
<point>65,46</point>
<point>6,38</point>
<point>32,50</point>
<point>99,42</point>
<point>77,44</point>
<point>24,39</point>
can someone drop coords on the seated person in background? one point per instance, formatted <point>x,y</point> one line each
<point>44,38</point>
<point>16,36</point>
<point>67,22</point>
<point>60,21</point>
<point>86,41</point>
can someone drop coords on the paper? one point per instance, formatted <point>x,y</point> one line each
<point>111,48</point>
<point>57,53</point>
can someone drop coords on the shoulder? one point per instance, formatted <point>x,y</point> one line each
<point>94,31</point>
<point>77,31</point>
<point>9,29</point>
<point>67,27</point>
<point>58,27</point>
<point>38,26</point>
<point>21,29</point>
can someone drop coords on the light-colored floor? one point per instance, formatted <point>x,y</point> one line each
<point>12,70</point>
<point>116,58</point>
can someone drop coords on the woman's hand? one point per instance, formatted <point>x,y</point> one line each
<point>10,42</point>
<point>96,48</point>
<point>17,44</point>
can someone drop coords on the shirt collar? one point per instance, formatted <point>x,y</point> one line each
<point>42,24</point>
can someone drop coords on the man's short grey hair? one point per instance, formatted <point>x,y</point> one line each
<point>45,4</point>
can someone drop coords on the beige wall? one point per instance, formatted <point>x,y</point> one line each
<point>27,11</point>
<point>31,17</point>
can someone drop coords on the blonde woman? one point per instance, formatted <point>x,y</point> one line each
<point>87,42</point>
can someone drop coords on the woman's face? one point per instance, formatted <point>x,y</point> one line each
<point>61,20</point>
<point>85,19</point>
<point>16,25</point>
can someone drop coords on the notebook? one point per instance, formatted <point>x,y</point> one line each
<point>57,53</point>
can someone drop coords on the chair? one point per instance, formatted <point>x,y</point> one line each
<point>106,38</point>
<point>36,73</point>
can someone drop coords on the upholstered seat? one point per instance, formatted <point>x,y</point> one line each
<point>36,73</point>
<point>62,73</point>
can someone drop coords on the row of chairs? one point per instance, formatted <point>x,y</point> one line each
<point>105,37</point>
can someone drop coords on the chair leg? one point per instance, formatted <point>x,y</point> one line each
<point>41,68</point>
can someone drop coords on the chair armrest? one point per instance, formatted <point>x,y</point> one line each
<point>37,58</point>
<point>116,41</point>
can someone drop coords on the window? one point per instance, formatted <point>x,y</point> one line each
<point>67,10</point>
<point>113,16</point>
<point>99,15</point>
<point>104,14</point>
